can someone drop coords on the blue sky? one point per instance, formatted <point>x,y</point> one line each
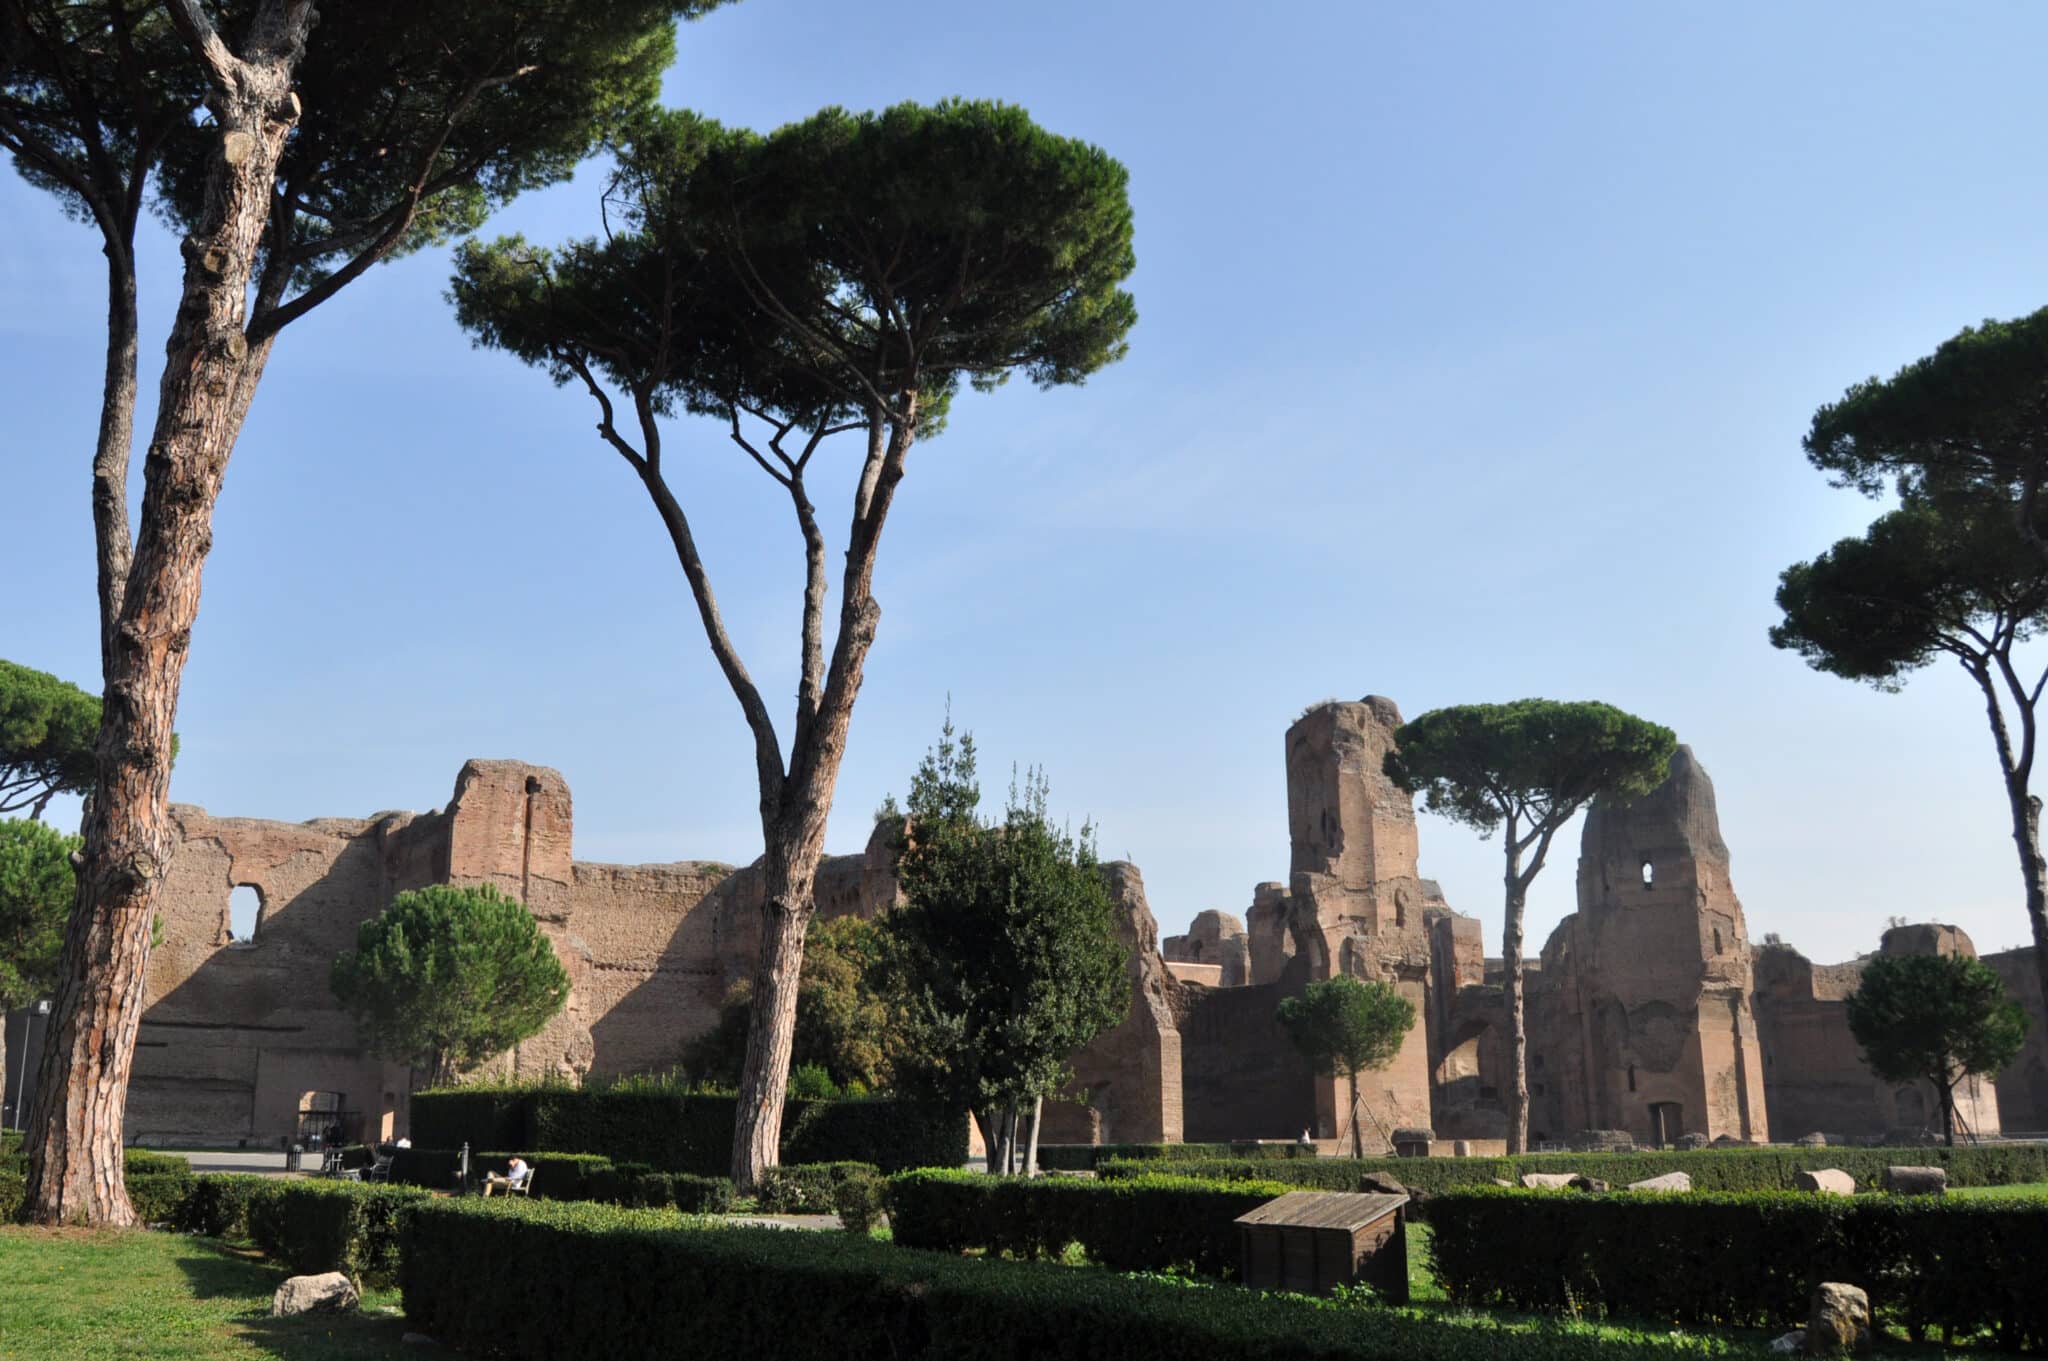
<point>1475,348</point>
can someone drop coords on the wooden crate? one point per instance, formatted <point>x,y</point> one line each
<point>1310,1241</point>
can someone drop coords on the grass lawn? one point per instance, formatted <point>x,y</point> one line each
<point>75,1295</point>
<point>2027,1191</point>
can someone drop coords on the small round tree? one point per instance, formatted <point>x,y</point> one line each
<point>1938,1018</point>
<point>36,889</point>
<point>448,977</point>
<point>1345,1027</point>
<point>47,728</point>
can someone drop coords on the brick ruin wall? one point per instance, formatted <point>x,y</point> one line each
<point>238,1035</point>
<point>1649,1011</point>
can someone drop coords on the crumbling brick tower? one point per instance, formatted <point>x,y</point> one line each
<point>1355,903</point>
<point>1658,981</point>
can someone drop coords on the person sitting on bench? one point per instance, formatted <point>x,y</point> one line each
<point>514,1181</point>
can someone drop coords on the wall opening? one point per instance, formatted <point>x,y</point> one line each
<point>1649,874</point>
<point>245,908</point>
<point>1631,1077</point>
<point>1717,940</point>
<point>1667,1122</point>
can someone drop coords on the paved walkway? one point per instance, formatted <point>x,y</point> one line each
<point>206,1160</point>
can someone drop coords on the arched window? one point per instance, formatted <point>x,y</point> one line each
<point>245,910</point>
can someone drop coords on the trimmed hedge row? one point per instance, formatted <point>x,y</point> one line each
<point>532,1281</point>
<point>1088,1157</point>
<point>218,1206</point>
<point>134,1162</point>
<point>320,1226</point>
<point>810,1188</point>
<point>156,1196</point>
<point>1716,1169</point>
<point>1928,1264</point>
<point>1152,1223</point>
<point>674,1132</point>
<point>572,1176</point>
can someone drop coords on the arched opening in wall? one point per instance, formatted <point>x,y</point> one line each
<point>1473,1069</point>
<point>1631,1077</point>
<point>1649,874</point>
<point>245,910</point>
<point>1718,949</point>
<point>1667,1122</point>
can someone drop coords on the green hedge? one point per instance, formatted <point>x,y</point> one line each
<point>319,1226</point>
<point>433,1168</point>
<point>1956,1266</point>
<point>219,1204</point>
<point>637,1186</point>
<point>675,1132</point>
<point>809,1188</point>
<point>134,1162</point>
<point>156,1196</point>
<point>481,1117</point>
<point>1087,1157</point>
<point>1716,1169</point>
<point>895,1136</point>
<point>572,1176</point>
<point>531,1281</point>
<point>1153,1223</point>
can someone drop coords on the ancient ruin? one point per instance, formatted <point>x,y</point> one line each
<point>1651,1013</point>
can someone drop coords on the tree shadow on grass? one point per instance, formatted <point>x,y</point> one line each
<point>217,1270</point>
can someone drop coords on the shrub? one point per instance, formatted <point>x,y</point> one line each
<point>145,1162</point>
<point>1153,1223</point>
<point>894,1135</point>
<point>482,1117</point>
<point>156,1196</point>
<point>134,1162</point>
<point>702,1195</point>
<point>633,1185</point>
<point>810,1082</point>
<point>671,1130</point>
<point>319,1226</point>
<point>1088,1157</point>
<point>218,1206</point>
<point>1748,1260</point>
<point>530,1281</point>
<point>159,1197</point>
<point>434,1168</point>
<point>1716,1169</point>
<point>809,1188</point>
<point>858,1201</point>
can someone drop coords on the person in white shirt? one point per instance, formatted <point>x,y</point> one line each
<point>513,1180</point>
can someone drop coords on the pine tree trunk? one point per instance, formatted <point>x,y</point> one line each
<point>2026,835</point>
<point>10,1118</point>
<point>1357,1134</point>
<point>1518,1038</point>
<point>789,871</point>
<point>110,458</point>
<point>210,372</point>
